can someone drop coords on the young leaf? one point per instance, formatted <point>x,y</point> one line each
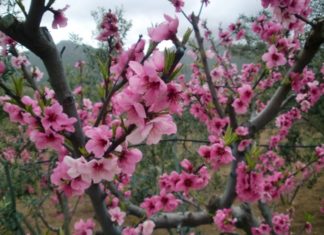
<point>169,57</point>
<point>186,36</point>
<point>18,86</point>
<point>230,136</point>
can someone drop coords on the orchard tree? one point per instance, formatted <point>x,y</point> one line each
<point>140,94</point>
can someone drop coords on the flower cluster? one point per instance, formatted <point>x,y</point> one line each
<point>216,155</point>
<point>281,224</point>
<point>84,227</point>
<point>165,201</point>
<point>164,31</point>
<point>250,183</point>
<point>285,11</point>
<point>225,221</point>
<point>74,176</point>
<point>108,27</point>
<point>284,122</point>
<point>263,229</point>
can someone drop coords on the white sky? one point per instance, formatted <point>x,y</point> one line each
<point>143,13</point>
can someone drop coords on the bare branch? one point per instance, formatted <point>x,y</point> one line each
<point>199,39</point>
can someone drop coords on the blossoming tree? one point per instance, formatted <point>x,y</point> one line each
<point>141,92</point>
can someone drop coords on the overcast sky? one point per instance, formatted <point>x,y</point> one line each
<point>143,13</point>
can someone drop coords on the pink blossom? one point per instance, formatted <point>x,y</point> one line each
<point>187,165</point>
<point>78,91</point>
<point>217,154</point>
<point>99,140</point>
<point>242,131</point>
<point>178,4</point>
<point>130,231</point>
<point>57,120</point>
<point>153,130</point>
<point>84,227</point>
<point>148,227</point>
<point>187,182</point>
<point>245,92</point>
<point>128,159</point>
<point>273,58</point>
<point>18,61</point>
<point>146,82</point>
<point>16,114</point>
<point>243,145</point>
<point>224,220</point>
<point>59,18</point>
<point>216,126</point>
<point>263,229</point>
<point>165,30</point>
<point>9,154</point>
<point>130,101</point>
<point>25,155</point>
<point>103,169</point>
<point>308,228</point>
<point>117,215</point>
<point>249,185</point>
<point>168,182</point>
<point>108,27</point>
<point>281,224</point>
<point>79,64</point>
<point>47,139</point>
<point>67,184</point>
<point>217,72</point>
<point>240,107</point>
<point>151,205</point>
<point>168,201</point>
<point>36,73</point>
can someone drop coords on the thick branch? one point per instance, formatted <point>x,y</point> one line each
<point>312,45</point>
<point>35,13</point>
<point>192,219</point>
<point>174,220</point>
<point>97,198</point>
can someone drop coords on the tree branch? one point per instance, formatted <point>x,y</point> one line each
<point>199,39</point>
<point>35,14</point>
<point>98,201</point>
<point>312,45</point>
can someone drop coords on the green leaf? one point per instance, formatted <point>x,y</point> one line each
<point>175,73</point>
<point>61,231</point>
<point>309,217</point>
<point>83,151</point>
<point>103,68</point>
<point>101,91</point>
<point>169,57</point>
<point>18,86</point>
<point>151,47</point>
<point>252,156</point>
<point>230,136</point>
<point>186,36</point>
